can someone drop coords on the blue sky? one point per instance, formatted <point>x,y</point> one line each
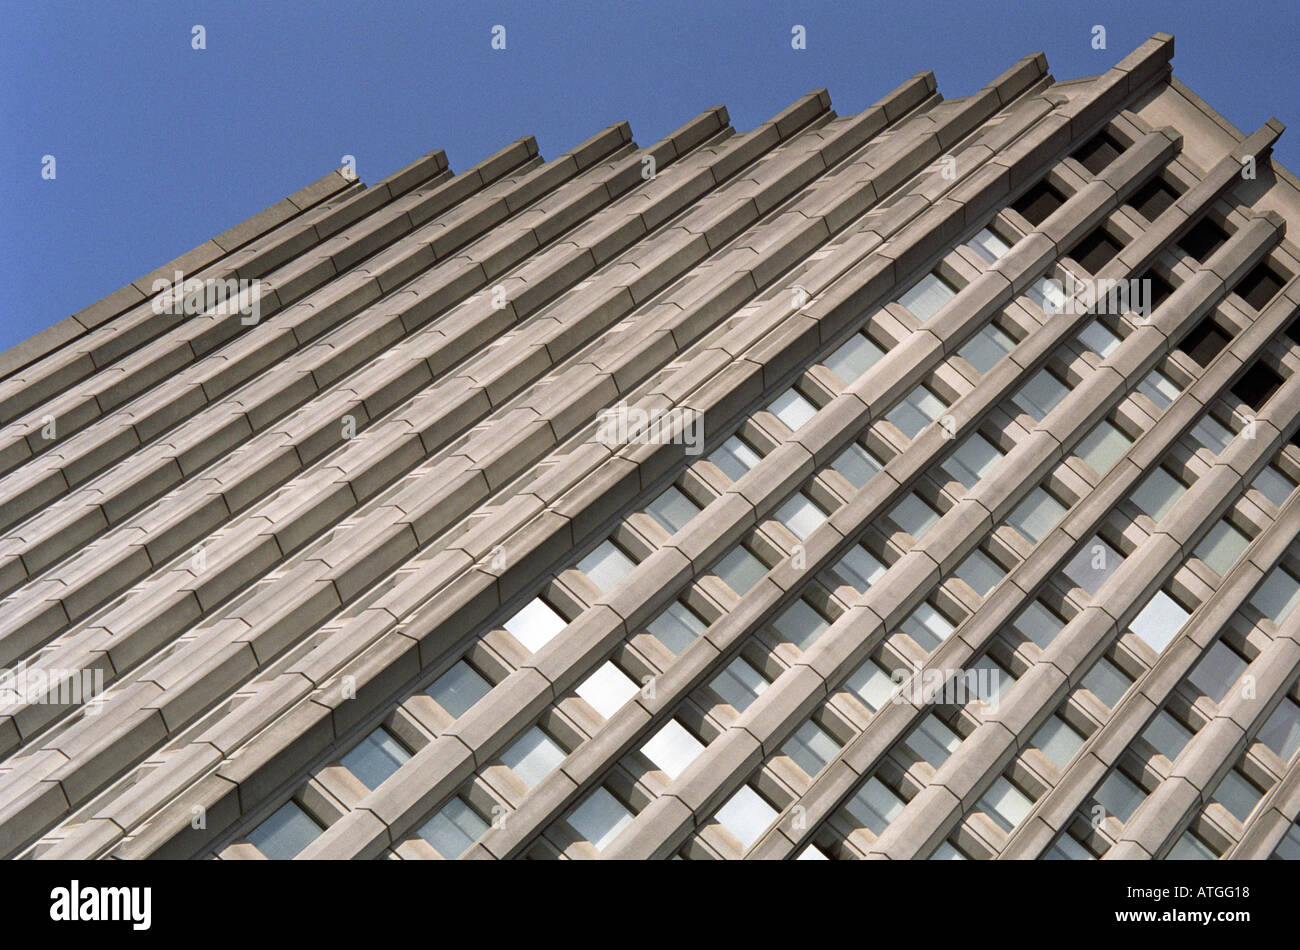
<point>159,146</point>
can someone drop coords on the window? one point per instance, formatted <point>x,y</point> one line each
<point>1190,848</point>
<point>1057,741</point>
<point>918,409</point>
<point>933,741</point>
<point>800,515</point>
<point>1288,849</point>
<point>1217,671</point>
<point>535,625</point>
<point>1036,204</point>
<point>980,572</point>
<point>1153,198</point>
<point>1277,596</point>
<point>1281,732</point>
<point>860,568</point>
<point>986,348</point>
<point>1167,735</point>
<point>1237,795</point>
<point>856,464</point>
<point>914,516</point>
<point>1159,621</point>
<point>1204,238</point>
<point>375,758</point>
<point>1036,516</point>
<point>1107,682</point>
<point>870,684</point>
<point>874,806</point>
<point>1066,848</point>
<point>1260,286</point>
<point>607,689</point>
<point>734,458</point>
<point>746,816</point>
<point>1257,385</point>
<point>285,833</point>
<point>606,565</point>
<point>1093,564</point>
<point>800,624</point>
<point>1005,804</point>
<point>1095,250</point>
<point>1273,485</point>
<point>972,460</point>
<point>1038,624</point>
<point>739,684</point>
<point>672,510</point>
<point>1119,796</point>
<point>1097,153</point>
<point>1103,447</point>
<point>1221,547</point>
<point>1159,388</point>
<point>1047,294</point>
<point>1158,493</point>
<point>672,749</point>
<point>740,570</point>
<point>600,818</point>
<point>853,358</point>
<point>453,830</point>
<point>1097,338</point>
<point>676,628</point>
<point>792,409</point>
<point>927,627</point>
<point>533,756</point>
<point>1040,394</point>
<point>988,245</point>
<point>992,680</point>
<point>1204,341</point>
<point>459,688</point>
<point>924,300</point>
<point>810,748</point>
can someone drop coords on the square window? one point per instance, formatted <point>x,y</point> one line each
<point>1153,198</point>
<point>988,245</point>
<point>1038,624</point>
<point>1158,494</point>
<point>1190,848</point>
<point>1005,804</point>
<point>1159,621</point>
<point>1092,564</point>
<point>453,830</point>
<point>872,685</point>
<point>1119,796</point>
<point>1159,388</point>
<point>734,458</point>
<point>980,572</point>
<point>972,460</point>
<point>375,758</point>
<point>933,741</point>
<point>1036,515</point>
<point>1095,251</point>
<point>1217,672</point>
<point>914,516</point>
<point>1097,153</point>
<point>918,409</point>
<point>1281,732</point>
<point>1057,741</point>
<point>1103,447</point>
<point>740,570</point>
<point>986,348</point>
<point>672,749</point>
<point>1277,596</point>
<point>746,816</point>
<point>607,689</point>
<point>860,568</point>
<point>1260,286</point>
<point>1257,385</point>
<point>1040,394</point>
<point>1038,203</point>
<point>600,818</point>
<point>285,833</point>
<point>800,624</point>
<point>1204,341</point>
<point>992,680</point>
<point>672,510</point>
<point>800,515</point>
<point>927,627</point>
<point>1067,849</point>
<point>1204,238</point>
<point>1167,735</point>
<point>853,358</point>
<point>929,294</point>
<point>1048,295</point>
<point>874,806</point>
<point>811,748</point>
<point>1097,338</point>
<point>1221,547</point>
<point>534,756</point>
<point>739,685</point>
<point>1273,485</point>
<point>792,409</point>
<point>606,565</point>
<point>535,625</point>
<point>1238,795</point>
<point>1107,682</point>
<point>856,464</point>
<point>676,628</point>
<point>459,688</point>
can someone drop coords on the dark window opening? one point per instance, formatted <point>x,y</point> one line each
<point>1099,152</point>
<point>1095,250</point>
<point>1204,342</point>
<point>1203,239</point>
<point>1293,331</point>
<point>1039,202</point>
<point>1257,385</point>
<point>1159,289</point>
<point>1153,198</point>
<point>1259,286</point>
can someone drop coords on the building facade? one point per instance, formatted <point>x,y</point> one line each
<point>920,483</point>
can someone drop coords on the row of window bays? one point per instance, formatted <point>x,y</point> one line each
<point>709,710</point>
